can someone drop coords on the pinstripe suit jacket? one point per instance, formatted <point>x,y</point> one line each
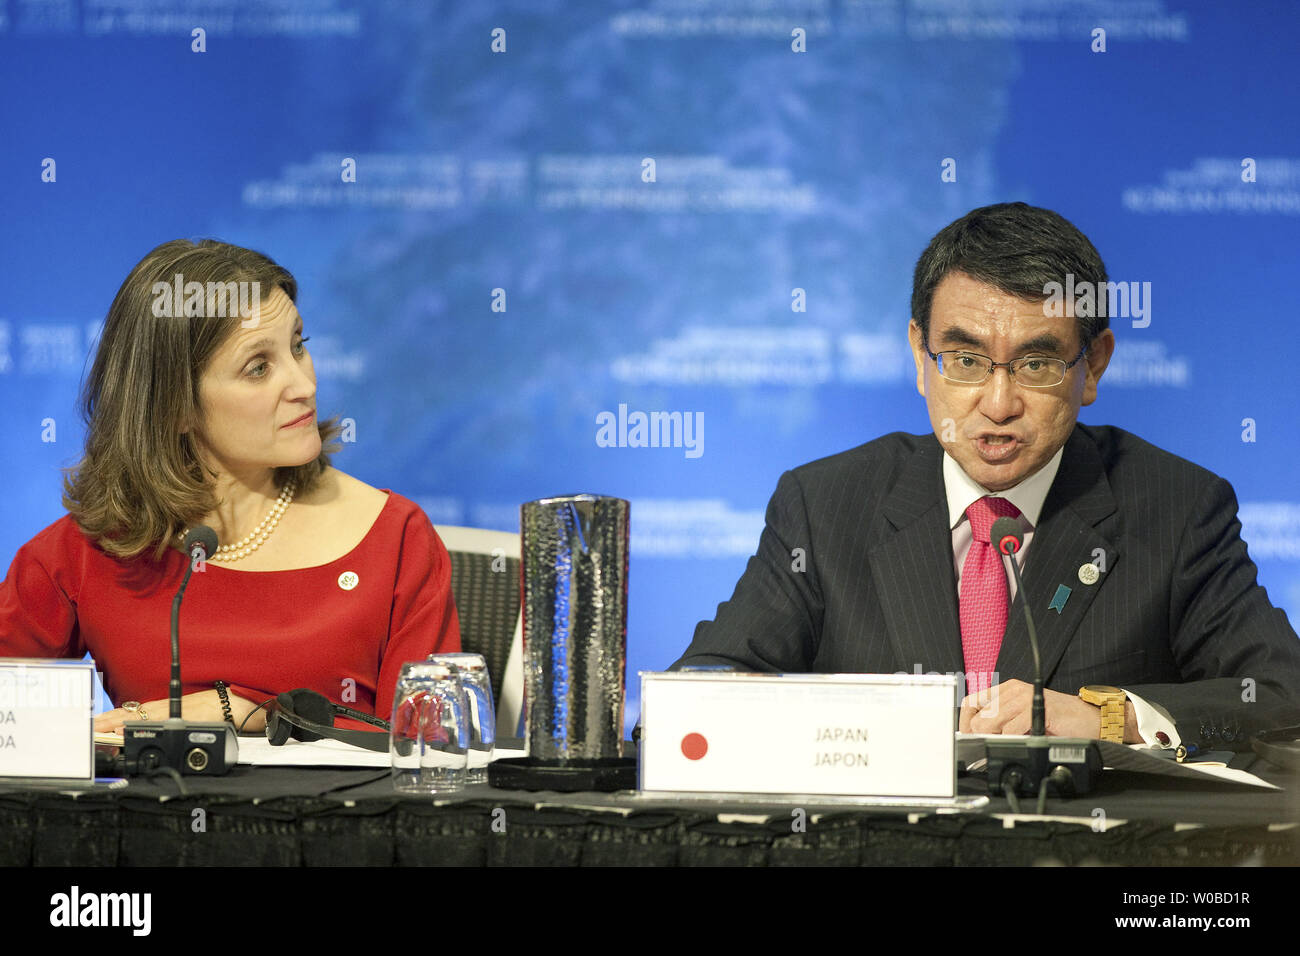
<point>1177,617</point>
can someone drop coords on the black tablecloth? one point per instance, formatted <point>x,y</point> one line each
<point>333,817</point>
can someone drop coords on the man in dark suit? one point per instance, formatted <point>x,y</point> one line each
<point>877,559</point>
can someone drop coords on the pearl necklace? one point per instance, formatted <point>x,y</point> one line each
<point>257,537</point>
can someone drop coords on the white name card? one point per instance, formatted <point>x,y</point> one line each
<point>46,718</point>
<point>880,735</point>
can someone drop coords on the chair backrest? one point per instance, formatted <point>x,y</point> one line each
<point>485,582</point>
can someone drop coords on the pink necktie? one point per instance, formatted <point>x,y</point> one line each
<point>983,604</point>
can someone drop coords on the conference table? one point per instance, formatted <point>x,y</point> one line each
<point>318,817</point>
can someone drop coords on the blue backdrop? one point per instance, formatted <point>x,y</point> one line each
<point>704,206</point>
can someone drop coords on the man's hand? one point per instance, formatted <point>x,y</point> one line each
<point>1005,709</point>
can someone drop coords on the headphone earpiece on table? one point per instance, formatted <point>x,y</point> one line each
<point>305,715</point>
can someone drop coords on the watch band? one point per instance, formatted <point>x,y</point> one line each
<point>1112,721</point>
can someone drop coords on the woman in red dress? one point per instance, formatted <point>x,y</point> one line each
<point>201,410</point>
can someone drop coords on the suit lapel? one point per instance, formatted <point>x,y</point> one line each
<point>1064,540</point>
<point>912,567</point>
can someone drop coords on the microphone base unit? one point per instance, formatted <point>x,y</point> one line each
<point>188,747</point>
<point>1071,765</point>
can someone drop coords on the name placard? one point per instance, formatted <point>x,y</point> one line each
<point>46,718</point>
<point>879,735</point>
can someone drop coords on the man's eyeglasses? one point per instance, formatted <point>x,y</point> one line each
<point>1033,371</point>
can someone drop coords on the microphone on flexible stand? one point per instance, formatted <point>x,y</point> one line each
<point>1067,765</point>
<point>190,747</point>
<point>200,544</point>
<point>1006,537</point>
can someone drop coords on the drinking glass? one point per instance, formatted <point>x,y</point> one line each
<point>482,710</point>
<point>429,740</point>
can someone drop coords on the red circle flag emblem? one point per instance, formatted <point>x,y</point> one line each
<point>694,746</point>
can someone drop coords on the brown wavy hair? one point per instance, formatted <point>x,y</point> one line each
<point>140,480</point>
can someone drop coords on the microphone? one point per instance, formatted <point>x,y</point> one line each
<point>1006,537</point>
<point>190,747</point>
<point>200,543</point>
<point>1069,765</point>
<point>202,535</point>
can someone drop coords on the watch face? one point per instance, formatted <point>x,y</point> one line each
<point>1102,689</point>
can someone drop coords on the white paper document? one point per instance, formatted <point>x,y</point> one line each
<point>258,751</point>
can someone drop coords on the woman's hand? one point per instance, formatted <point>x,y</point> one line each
<point>203,706</point>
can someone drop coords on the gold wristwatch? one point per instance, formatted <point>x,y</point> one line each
<point>1111,700</point>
